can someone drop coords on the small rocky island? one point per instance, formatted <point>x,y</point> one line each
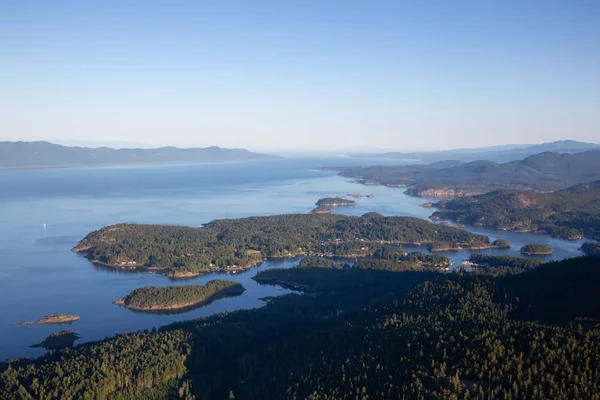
<point>536,250</point>
<point>324,205</point>
<point>58,340</point>
<point>51,319</point>
<point>150,298</point>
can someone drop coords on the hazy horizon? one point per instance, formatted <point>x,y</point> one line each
<point>283,151</point>
<point>307,77</point>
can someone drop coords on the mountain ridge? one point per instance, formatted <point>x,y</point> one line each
<point>545,171</point>
<point>503,153</point>
<point>42,154</point>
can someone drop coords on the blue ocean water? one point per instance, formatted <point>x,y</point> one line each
<point>39,275</point>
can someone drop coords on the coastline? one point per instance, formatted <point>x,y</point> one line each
<point>140,164</point>
<point>166,271</point>
<point>283,283</point>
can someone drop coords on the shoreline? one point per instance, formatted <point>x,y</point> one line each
<point>424,193</point>
<point>283,283</point>
<point>140,164</point>
<point>165,271</point>
<point>515,230</point>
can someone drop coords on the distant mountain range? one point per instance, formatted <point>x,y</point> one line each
<point>544,171</point>
<point>496,153</point>
<point>47,155</point>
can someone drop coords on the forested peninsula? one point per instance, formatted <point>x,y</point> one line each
<point>58,340</point>
<point>570,213</point>
<point>150,298</point>
<point>591,248</point>
<point>232,244</point>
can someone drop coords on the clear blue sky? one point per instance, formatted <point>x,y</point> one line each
<point>300,75</point>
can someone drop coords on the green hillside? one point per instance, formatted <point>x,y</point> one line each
<point>570,213</point>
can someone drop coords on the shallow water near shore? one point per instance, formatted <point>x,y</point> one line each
<point>39,275</point>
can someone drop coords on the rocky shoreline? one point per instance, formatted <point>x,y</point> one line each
<point>51,319</point>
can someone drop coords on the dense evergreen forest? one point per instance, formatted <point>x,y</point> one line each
<point>570,213</point>
<point>384,258</point>
<point>170,297</point>
<point>502,265</point>
<point>362,334</point>
<point>239,243</point>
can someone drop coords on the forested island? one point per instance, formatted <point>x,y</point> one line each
<point>361,333</point>
<point>335,202</point>
<point>232,244</point>
<point>150,298</point>
<point>51,319</point>
<point>501,244</point>
<point>535,249</point>
<point>570,213</point>
<point>545,171</point>
<point>324,205</point>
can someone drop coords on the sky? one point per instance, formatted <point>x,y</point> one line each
<point>300,75</point>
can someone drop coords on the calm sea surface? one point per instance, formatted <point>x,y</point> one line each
<point>39,275</point>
